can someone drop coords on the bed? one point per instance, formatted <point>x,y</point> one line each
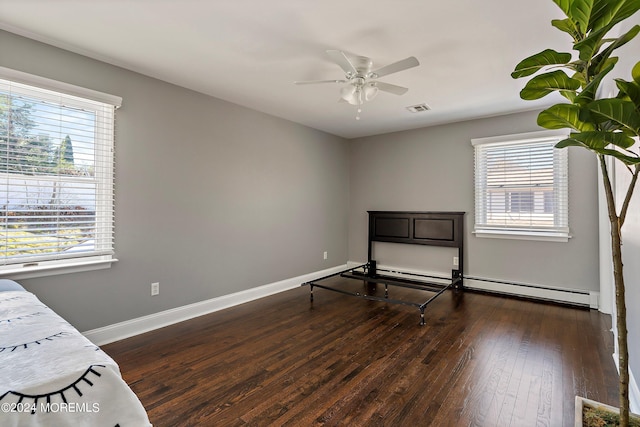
<point>51,375</point>
<point>444,229</point>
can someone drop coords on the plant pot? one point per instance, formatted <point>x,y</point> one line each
<point>581,402</point>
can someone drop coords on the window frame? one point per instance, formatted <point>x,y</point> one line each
<point>559,232</point>
<point>104,106</point>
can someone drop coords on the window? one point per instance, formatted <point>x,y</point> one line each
<point>56,175</point>
<point>521,186</point>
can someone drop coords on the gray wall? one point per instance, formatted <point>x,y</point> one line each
<point>432,169</point>
<point>211,198</point>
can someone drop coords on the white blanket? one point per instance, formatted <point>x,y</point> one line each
<point>51,375</point>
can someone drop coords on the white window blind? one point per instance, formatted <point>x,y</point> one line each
<point>56,174</point>
<point>521,186</point>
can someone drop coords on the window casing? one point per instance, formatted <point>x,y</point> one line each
<point>56,176</point>
<point>521,186</point>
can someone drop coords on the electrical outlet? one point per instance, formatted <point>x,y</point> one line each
<point>155,288</point>
<point>455,261</point>
<point>325,254</point>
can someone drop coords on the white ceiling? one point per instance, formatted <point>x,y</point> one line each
<point>250,52</point>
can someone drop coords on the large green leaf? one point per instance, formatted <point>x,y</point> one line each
<point>607,13</point>
<point>620,112</point>
<point>589,92</point>
<point>573,142</point>
<point>590,45</point>
<point>544,84</point>
<point>631,90</point>
<point>567,26</point>
<point>601,139</point>
<point>565,5</point>
<point>579,76</point>
<point>625,158</point>
<point>562,116</point>
<point>530,65</point>
<point>570,142</point>
<point>635,73</point>
<point>601,8</point>
<point>600,59</point>
<point>580,12</point>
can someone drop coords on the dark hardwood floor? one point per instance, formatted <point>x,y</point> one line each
<point>480,360</point>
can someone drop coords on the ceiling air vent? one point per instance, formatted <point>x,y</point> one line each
<point>419,108</point>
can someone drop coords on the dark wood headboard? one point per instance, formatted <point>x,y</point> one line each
<point>418,228</point>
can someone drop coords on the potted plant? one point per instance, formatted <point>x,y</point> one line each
<point>607,125</point>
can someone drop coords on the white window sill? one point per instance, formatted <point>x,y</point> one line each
<point>523,235</point>
<point>53,269</point>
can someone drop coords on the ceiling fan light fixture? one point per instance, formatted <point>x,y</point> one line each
<point>353,94</point>
<point>348,93</point>
<point>370,91</point>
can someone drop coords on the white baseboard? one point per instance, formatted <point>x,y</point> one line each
<point>129,328</point>
<point>567,296</point>
<point>535,291</point>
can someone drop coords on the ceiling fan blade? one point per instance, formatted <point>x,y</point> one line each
<point>401,65</point>
<point>394,89</point>
<point>312,82</point>
<point>341,59</point>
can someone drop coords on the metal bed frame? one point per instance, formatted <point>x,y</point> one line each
<point>415,228</point>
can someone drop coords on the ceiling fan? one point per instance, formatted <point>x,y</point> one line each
<point>362,80</point>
